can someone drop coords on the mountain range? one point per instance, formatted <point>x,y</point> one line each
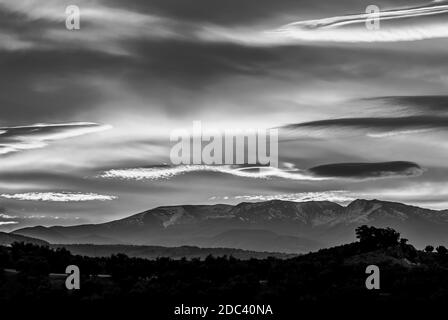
<point>276,226</point>
<point>8,238</point>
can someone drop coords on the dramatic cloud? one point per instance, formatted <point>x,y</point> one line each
<point>147,67</point>
<point>367,170</point>
<point>58,196</point>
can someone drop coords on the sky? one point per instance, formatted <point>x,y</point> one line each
<point>87,114</point>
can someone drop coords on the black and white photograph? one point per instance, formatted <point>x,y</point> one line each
<point>223,159</point>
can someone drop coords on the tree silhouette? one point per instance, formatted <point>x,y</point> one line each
<point>375,238</point>
<point>441,250</point>
<point>429,249</point>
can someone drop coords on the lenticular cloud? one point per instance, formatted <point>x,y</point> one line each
<point>158,173</point>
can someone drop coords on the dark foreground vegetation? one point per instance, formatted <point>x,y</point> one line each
<point>336,275</point>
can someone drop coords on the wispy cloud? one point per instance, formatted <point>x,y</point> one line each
<point>407,105</point>
<point>111,28</point>
<point>13,139</point>
<point>372,127</point>
<point>404,29</point>
<point>338,21</point>
<point>3,223</point>
<point>58,196</point>
<point>400,24</point>
<point>12,42</point>
<point>7,216</point>
<point>108,26</point>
